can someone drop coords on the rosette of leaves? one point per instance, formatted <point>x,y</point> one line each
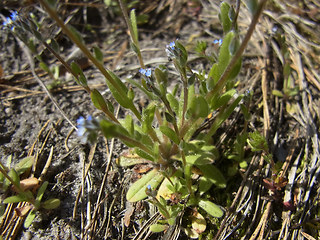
<point>166,134</point>
<point>29,190</point>
<point>183,162</point>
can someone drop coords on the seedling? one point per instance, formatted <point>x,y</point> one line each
<point>28,190</point>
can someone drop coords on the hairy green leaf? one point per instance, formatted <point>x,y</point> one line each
<point>133,22</point>
<point>15,199</point>
<point>224,17</point>
<point>41,191</point>
<point>110,129</point>
<point>158,227</point>
<point>212,174</point>
<point>15,177</point>
<point>171,134</point>
<point>198,107</point>
<point>174,104</point>
<point>51,203</point>
<point>222,116</point>
<point>121,96</point>
<point>97,100</point>
<point>128,124</point>
<point>253,6</point>
<point>98,54</point>
<point>76,33</point>
<point>137,191</point>
<point>199,159</point>
<point>29,219</point>
<point>148,116</point>
<point>144,155</point>
<point>80,79</point>
<point>211,208</point>
<point>24,164</point>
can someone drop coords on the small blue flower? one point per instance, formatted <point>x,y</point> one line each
<point>81,120</point>
<point>150,192</point>
<point>171,45</point>
<point>172,51</point>
<point>148,72</point>
<point>81,126</point>
<point>145,72</point>
<point>142,71</point>
<point>14,15</point>
<point>87,129</point>
<point>274,29</point>
<point>9,20</point>
<point>217,41</point>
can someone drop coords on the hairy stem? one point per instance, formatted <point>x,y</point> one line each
<point>86,51</point>
<point>132,35</point>
<point>223,79</point>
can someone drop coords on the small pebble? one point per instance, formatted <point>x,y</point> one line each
<point>8,111</point>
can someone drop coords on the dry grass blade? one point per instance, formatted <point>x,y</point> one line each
<point>145,227</point>
<point>259,232</point>
<point>242,197</point>
<point>307,236</point>
<point>86,169</point>
<point>261,220</point>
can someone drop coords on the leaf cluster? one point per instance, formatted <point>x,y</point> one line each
<point>174,132</point>
<point>29,190</point>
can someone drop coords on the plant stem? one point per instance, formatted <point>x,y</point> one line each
<point>135,143</point>
<point>187,176</point>
<point>234,22</point>
<point>41,83</point>
<point>109,114</point>
<point>18,188</point>
<point>89,55</point>
<point>64,63</point>
<point>160,206</point>
<point>183,76</point>
<point>132,35</point>
<point>223,79</point>
<point>175,126</point>
<point>185,101</point>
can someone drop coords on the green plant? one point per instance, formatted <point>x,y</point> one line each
<point>29,190</point>
<point>166,132</point>
<point>289,89</point>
